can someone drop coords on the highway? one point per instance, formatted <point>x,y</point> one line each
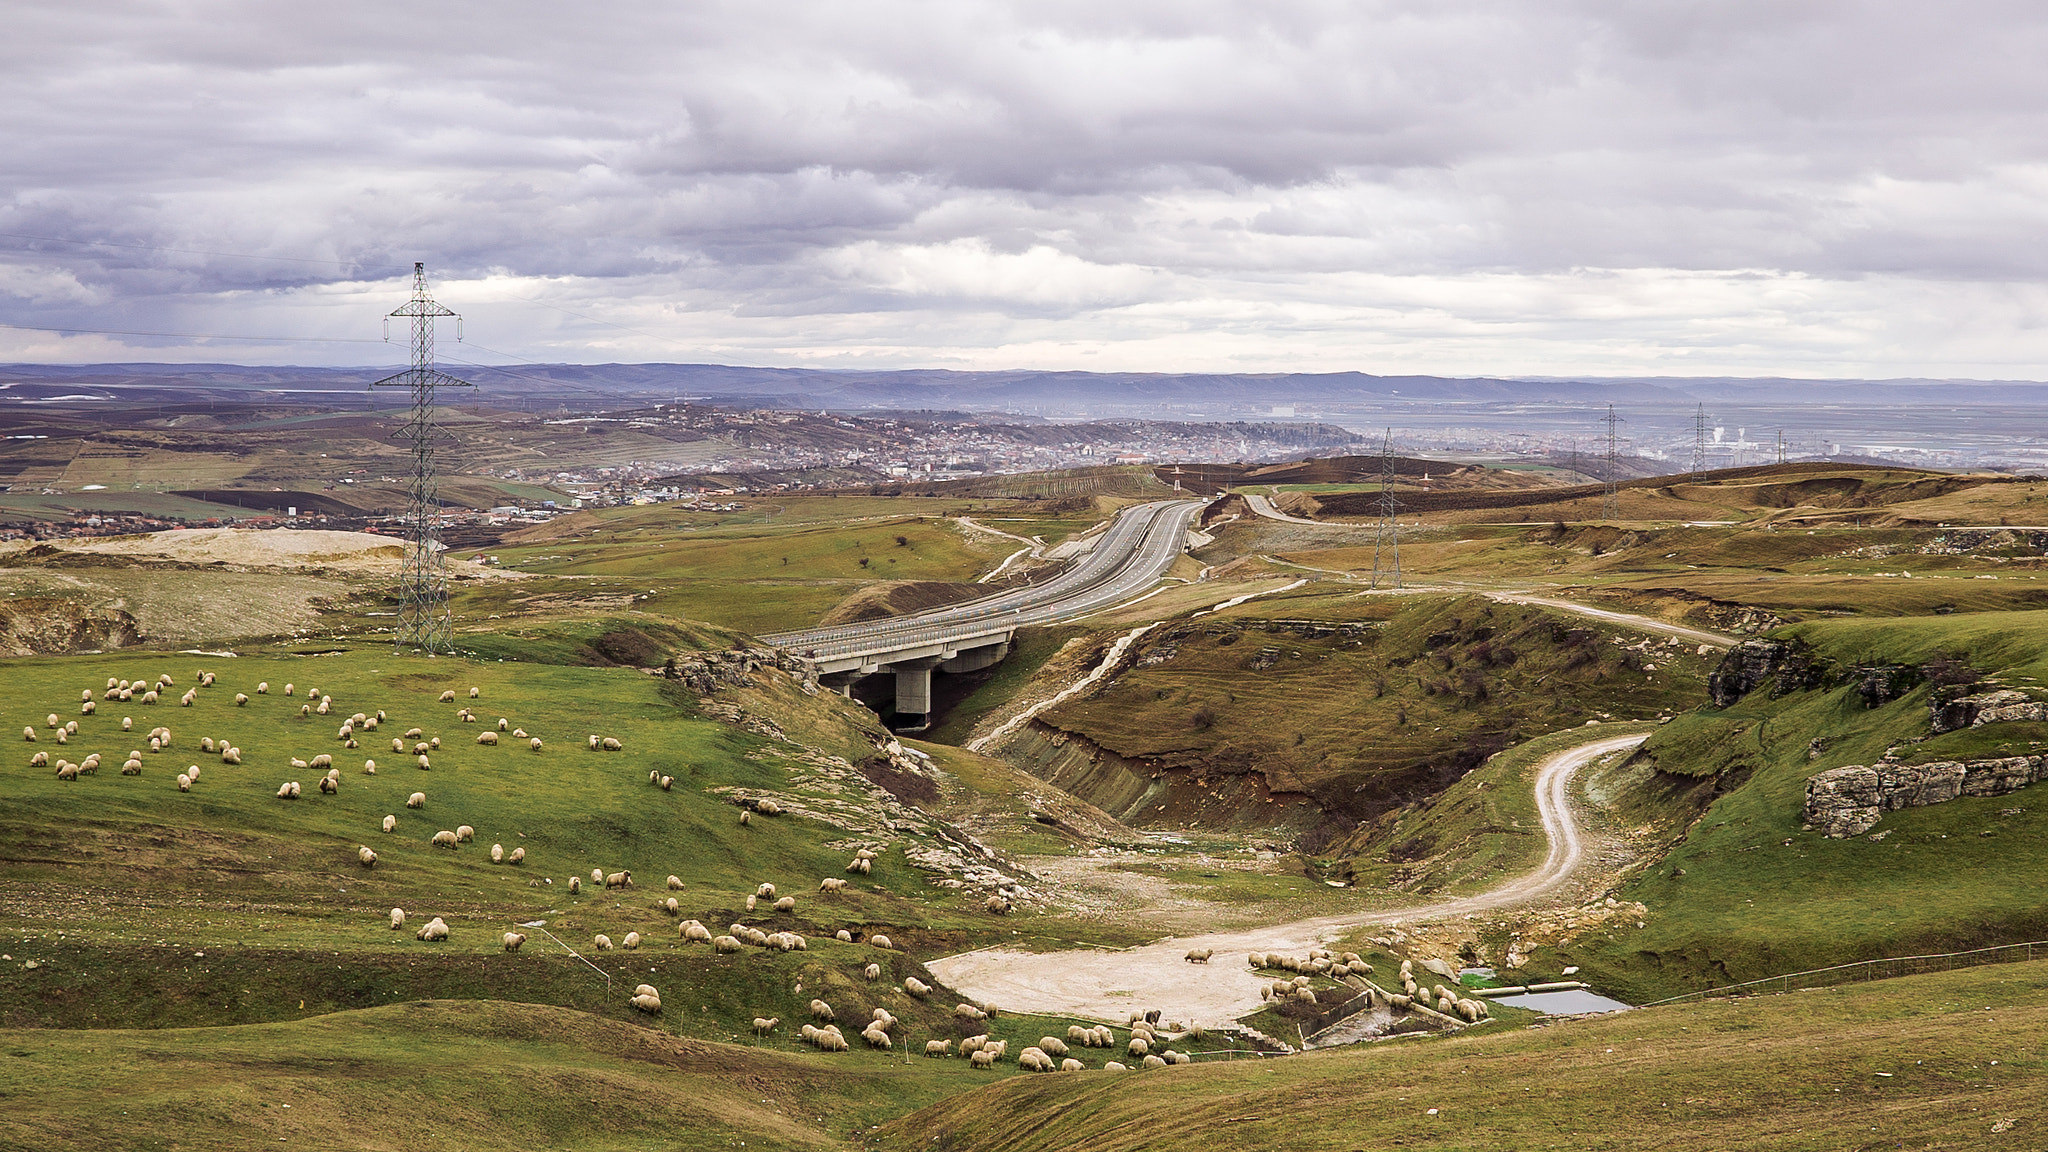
<point>1132,553</point>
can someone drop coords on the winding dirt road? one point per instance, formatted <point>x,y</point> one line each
<point>1108,985</point>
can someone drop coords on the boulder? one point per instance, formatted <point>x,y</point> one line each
<point>1844,801</point>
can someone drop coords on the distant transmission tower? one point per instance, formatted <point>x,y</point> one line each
<point>1386,548</point>
<point>423,620</point>
<point>1610,498</point>
<point>1781,445</point>
<point>1699,442</point>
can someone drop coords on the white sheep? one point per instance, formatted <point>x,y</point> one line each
<point>786,904</point>
<point>28,733</point>
<point>1052,1045</point>
<point>447,697</point>
<point>575,885</point>
<point>631,942</point>
<point>263,687</point>
<point>390,822</point>
<point>622,879</point>
<point>464,834</point>
<point>610,744</point>
<point>823,1011</point>
<point>671,906</point>
<point>872,971</point>
<point>597,875</point>
<point>435,929</point>
<point>88,708</point>
<point>231,756</point>
<point>1199,955</point>
<point>516,856</point>
<point>534,744</point>
<point>369,767</point>
<point>916,987</point>
<point>726,944</point>
<point>475,692</point>
<point>329,785</point>
<point>289,790</point>
<point>981,1058</point>
<point>184,782</point>
<point>366,857</point>
<point>425,764</point>
<point>829,883</point>
<point>603,942</point>
<point>487,738</point>
<point>997,905</point>
<point>764,1024</point>
<point>751,901</point>
<point>513,940</point>
<point>880,941</point>
<point>696,933</point>
<point>497,853</point>
<point>397,919</point>
<point>39,760</point>
<point>416,800</point>
<point>969,1012</point>
<point>444,839</point>
<point>667,783</point>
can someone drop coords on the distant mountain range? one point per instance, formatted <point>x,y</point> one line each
<point>1102,394</point>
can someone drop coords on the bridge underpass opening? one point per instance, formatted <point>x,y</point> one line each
<point>904,692</point>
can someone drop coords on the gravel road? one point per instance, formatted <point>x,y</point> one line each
<point>1108,985</point>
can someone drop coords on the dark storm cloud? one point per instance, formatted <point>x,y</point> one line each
<point>1506,185</point>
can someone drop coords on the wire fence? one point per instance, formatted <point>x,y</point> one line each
<point>1884,969</point>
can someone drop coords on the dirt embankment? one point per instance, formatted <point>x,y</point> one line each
<point>899,598</point>
<point>47,625</point>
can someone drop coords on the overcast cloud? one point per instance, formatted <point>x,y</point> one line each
<point>1537,187</point>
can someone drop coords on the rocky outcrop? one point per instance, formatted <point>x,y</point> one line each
<point>1950,715</point>
<point>1848,801</point>
<point>1788,666</point>
<point>1880,684</point>
<point>706,672</point>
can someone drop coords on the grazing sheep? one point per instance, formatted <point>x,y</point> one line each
<point>390,822</point>
<point>447,697</point>
<point>765,1024</point>
<point>696,933</point>
<point>744,821</point>
<point>1052,1045</point>
<point>672,907</point>
<point>329,785</point>
<point>969,1012</point>
<point>786,904</point>
<point>517,856</point>
<point>534,744</point>
<point>88,708</point>
<point>997,905</point>
<point>298,763</point>
<point>397,919</point>
<point>843,936</point>
<point>497,853</point>
<point>288,790</point>
<point>603,942</point>
<point>648,1004</point>
<point>973,1044</point>
<point>39,760</point>
<point>475,692</point>
<point>675,883</point>
<point>632,941</point>
<point>1305,995</point>
<point>416,800</point>
<point>369,767</point>
<point>768,808</point>
<point>231,756</point>
<point>1033,1060</point>
<point>367,857</point>
<point>445,839</point>
<point>938,1048</point>
<point>425,764</point>
<point>305,710</point>
<point>864,867</point>
<point>597,875</point>
<point>593,743</point>
<point>241,698</point>
<point>53,721</point>
<point>880,942</point>
<point>1072,1065</point>
<point>823,1011</point>
<point>1138,1046</point>
<point>263,688</point>
<point>323,761</point>
<point>611,744</point>
<point>872,971</point>
<point>726,944</point>
<point>28,733</point>
<point>916,987</point>
<point>875,1037</point>
<point>185,701</point>
<point>66,770</point>
<point>765,890</point>
<point>980,1058</point>
<point>513,940</point>
<point>575,885</point>
<point>831,884</point>
<point>619,879</point>
<point>1154,1062</point>
<point>435,929</point>
<point>489,738</point>
<point>1199,955</point>
<point>667,782</point>
<point>464,833</point>
<point>397,745</point>
<point>184,782</point>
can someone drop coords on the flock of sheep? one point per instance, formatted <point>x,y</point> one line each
<point>1050,1054</point>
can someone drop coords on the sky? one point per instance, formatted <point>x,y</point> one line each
<point>1461,187</point>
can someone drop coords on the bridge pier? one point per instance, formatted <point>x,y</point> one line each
<point>914,685</point>
<point>843,682</point>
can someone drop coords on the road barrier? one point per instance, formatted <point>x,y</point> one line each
<point>1885,969</point>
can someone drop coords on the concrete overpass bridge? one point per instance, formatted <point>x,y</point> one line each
<point>1130,555</point>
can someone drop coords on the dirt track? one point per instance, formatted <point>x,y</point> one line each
<point>1107,985</point>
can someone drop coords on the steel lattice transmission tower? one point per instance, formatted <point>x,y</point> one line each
<point>1386,548</point>
<point>423,619</point>
<point>1699,442</point>
<point>1610,498</point>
